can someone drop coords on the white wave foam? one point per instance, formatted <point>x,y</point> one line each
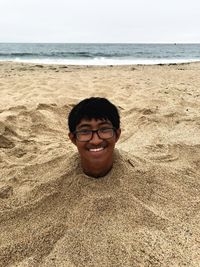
<point>103,61</point>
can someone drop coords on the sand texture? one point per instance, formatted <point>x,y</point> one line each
<point>145,212</point>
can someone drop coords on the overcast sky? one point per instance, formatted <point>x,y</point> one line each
<point>125,21</point>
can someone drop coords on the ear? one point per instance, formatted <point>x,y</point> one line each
<point>72,138</point>
<point>117,133</point>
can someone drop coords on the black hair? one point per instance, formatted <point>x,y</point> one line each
<point>93,108</point>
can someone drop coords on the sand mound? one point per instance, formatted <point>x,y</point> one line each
<point>145,212</point>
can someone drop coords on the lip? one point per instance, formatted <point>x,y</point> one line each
<point>97,148</point>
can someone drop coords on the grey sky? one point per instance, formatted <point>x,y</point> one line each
<point>100,21</point>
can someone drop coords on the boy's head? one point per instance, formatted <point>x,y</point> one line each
<point>93,108</point>
<point>94,126</point>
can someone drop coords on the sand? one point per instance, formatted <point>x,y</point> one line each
<point>145,212</point>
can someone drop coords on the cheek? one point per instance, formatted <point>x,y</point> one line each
<point>81,148</point>
<point>112,144</point>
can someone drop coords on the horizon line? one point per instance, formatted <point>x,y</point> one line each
<point>175,43</point>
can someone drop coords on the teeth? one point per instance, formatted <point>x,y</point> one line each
<point>96,149</point>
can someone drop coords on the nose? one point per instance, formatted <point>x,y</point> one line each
<point>95,139</point>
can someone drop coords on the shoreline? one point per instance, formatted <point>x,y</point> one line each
<point>61,65</point>
<point>104,62</point>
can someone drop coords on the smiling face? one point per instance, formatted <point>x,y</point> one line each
<point>97,154</point>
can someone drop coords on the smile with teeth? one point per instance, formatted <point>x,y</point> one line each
<point>96,149</point>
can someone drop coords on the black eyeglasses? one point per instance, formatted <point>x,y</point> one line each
<point>87,135</point>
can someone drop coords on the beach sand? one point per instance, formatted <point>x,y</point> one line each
<point>145,212</point>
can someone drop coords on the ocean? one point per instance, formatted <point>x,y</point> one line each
<point>99,54</point>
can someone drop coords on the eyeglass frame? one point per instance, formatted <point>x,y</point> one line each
<point>96,131</point>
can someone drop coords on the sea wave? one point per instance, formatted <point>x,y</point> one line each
<point>100,61</point>
<point>99,54</point>
<point>63,55</point>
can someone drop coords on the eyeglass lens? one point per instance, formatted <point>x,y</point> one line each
<point>88,135</point>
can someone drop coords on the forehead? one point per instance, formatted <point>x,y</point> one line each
<point>93,123</point>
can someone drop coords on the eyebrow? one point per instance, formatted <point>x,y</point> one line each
<point>89,125</point>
